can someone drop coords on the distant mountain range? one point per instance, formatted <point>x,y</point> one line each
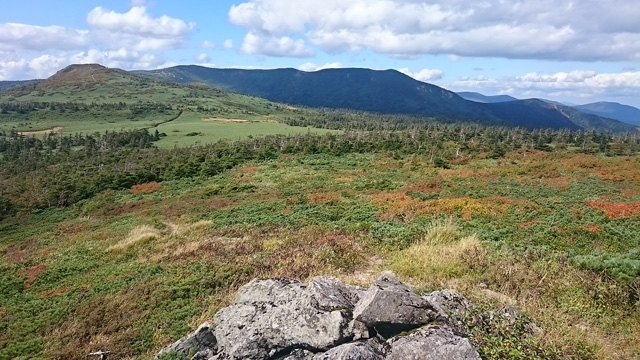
<point>612,110</point>
<point>477,97</point>
<point>7,85</point>
<point>386,92</point>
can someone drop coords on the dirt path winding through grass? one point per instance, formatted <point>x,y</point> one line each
<point>166,121</point>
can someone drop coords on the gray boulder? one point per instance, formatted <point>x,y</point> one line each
<point>284,319</point>
<point>200,341</point>
<point>352,351</point>
<point>389,307</point>
<point>431,343</point>
<point>273,317</point>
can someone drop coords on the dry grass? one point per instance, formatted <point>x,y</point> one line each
<point>442,255</point>
<point>140,234</point>
<point>323,198</point>
<point>54,130</point>
<point>224,120</point>
<point>581,313</point>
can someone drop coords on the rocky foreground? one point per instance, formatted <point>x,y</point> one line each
<point>327,319</point>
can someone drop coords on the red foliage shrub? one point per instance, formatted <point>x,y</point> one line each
<point>616,210</point>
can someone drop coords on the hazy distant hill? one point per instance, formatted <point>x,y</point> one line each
<point>8,85</point>
<point>477,97</point>
<point>612,110</point>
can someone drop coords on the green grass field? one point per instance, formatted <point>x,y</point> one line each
<point>195,103</point>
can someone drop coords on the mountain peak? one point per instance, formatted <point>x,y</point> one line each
<point>81,74</point>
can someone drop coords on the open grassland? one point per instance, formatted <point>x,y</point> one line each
<point>195,128</point>
<point>130,271</point>
<point>107,100</point>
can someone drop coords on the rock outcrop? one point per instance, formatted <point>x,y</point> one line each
<point>329,320</point>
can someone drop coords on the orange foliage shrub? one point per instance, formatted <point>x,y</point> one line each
<point>336,239</point>
<point>249,170</point>
<point>616,210</point>
<point>55,292</point>
<point>33,273</point>
<point>593,228</point>
<point>323,198</point>
<point>398,206</point>
<point>148,188</point>
<point>628,192</point>
<point>245,174</point>
<point>559,183</point>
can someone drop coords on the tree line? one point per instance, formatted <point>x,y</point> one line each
<point>60,170</point>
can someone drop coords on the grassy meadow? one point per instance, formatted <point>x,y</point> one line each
<point>85,100</point>
<point>133,270</point>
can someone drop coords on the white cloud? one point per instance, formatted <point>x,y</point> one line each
<point>424,75</point>
<point>130,40</point>
<point>203,58</point>
<point>259,44</point>
<point>574,85</point>
<point>228,44</point>
<point>137,21</point>
<point>309,66</point>
<point>30,37</point>
<point>588,30</point>
<point>208,45</point>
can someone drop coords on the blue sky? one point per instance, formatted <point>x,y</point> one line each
<point>573,51</point>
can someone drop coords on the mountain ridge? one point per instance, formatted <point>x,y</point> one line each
<point>381,91</point>
<point>375,91</point>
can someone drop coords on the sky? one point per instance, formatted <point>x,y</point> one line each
<point>578,51</point>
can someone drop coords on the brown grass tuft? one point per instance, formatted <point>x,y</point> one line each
<point>140,234</point>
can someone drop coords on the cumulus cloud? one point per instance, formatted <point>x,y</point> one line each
<point>228,44</point>
<point>203,58</point>
<point>546,29</point>
<point>130,40</point>
<point>260,44</point>
<point>309,66</point>
<point>424,75</point>
<point>29,37</point>
<point>208,44</point>
<point>137,21</point>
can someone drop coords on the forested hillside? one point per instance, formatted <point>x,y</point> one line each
<point>383,92</point>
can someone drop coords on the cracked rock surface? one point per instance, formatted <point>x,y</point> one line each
<point>327,319</point>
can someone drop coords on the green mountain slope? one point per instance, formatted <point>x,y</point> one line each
<point>387,92</point>
<point>90,98</point>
